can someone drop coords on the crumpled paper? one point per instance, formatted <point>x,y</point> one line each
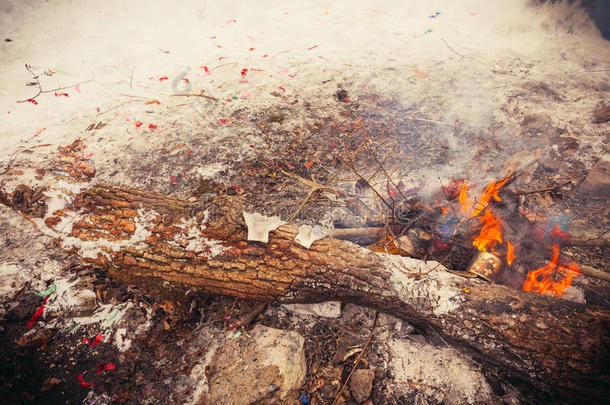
<point>259,226</point>
<point>308,235</point>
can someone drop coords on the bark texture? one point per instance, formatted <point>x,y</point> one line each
<point>547,343</point>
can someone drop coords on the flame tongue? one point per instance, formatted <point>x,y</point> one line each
<point>543,280</point>
<point>491,232</point>
<point>491,225</point>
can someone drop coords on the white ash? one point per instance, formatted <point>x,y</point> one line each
<point>11,279</point>
<point>434,292</point>
<point>196,242</point>
<point>211,169</point>
<point>198,372</point>
<point>328,309</point>
<point>574,294</point>
<point>442,374</point>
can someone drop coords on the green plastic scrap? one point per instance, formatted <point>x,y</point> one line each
<point>237,334</point>
<point>113,316</point>
<point>71,327</point>
<point>47,292</point>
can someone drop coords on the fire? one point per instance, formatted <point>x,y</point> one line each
<point>491,225</point>
<point>491,191</point>
<point>465,202</point>
<point>551,279</point>
<point>510,255</point>
<point>491,232</point>
<point>543,280</point>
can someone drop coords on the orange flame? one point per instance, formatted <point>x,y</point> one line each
<point>510,254</point>
<point>543,280</point>
<point>491,191</point>
<point>491,225</point>
<point>491,232</point>
<point>465,202</point>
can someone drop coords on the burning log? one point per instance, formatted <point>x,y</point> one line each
<point>534,342</point>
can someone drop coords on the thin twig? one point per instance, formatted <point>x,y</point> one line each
<point>41,91</point>
<point>452,50</point>
<point>196,95</point>
<point>368,342</point>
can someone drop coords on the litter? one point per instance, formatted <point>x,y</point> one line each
<point>102,367</point>
<point>82,382</point>
<point>47,291</point>
<point>35,317</point>
<point>95,342</point>
<point>259,226</point>
<point>308,235</point>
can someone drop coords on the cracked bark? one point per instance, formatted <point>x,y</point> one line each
<point>551,346</point>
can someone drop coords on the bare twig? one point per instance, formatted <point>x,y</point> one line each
<point>196,95</point>
<point>41,91</point>
<point>364,349</point>
<point>451,49</point>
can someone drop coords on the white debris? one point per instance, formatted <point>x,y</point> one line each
<point>121,341</point>
<point>11,279</point>
<point>259,226</point>
<point>196,242</point>
<point>574,294</point>
<point>434,291</point>
<point>329,309</point>
<point>442,374</point>
<point>308,235</point>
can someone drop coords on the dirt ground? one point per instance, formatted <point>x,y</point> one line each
<point>202,99</point>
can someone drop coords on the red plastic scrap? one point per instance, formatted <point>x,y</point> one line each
<point>281,88</point>
<point>243,73</point>
<point>102,367</point>
<point>313,47</point>
<point>138,124</point>
<point>95,342</point>
<point>61,94</point>
<point>308,164</point>
<point>185,79</point>
<point>35,317</point>
<point>31,100</point>
<point>82,382</point>
<point>39,132</point>
<point>252,49</point>
<point>163,78</point>
<point>152,126</point>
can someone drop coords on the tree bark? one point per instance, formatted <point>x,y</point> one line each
<point>552,345</point>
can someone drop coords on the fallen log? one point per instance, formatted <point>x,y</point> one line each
<point>552,346</point>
